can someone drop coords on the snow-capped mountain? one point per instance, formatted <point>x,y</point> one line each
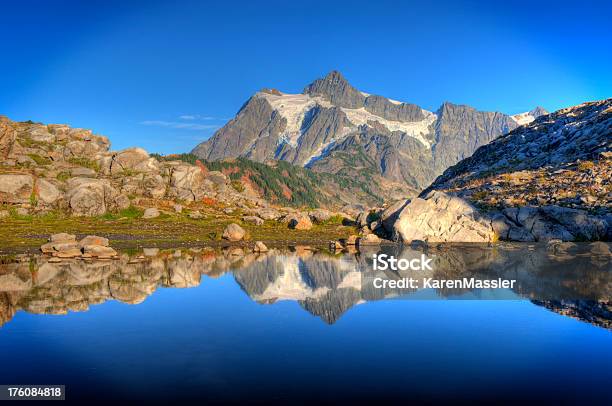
<point>333,127</point>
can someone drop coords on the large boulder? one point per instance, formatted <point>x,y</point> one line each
<point>93,197</point>
<point>47,192</point>
<point>233,232</point>
<point>187,182</point>
<point>300,222</point>
<point>320,215</point>
<point>131,159</point>
<point>16,188</point>
<point>267,213</point>
<point>442,218</point>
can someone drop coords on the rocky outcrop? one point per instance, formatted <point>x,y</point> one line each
<point>547,180</point>
<point>56,167</point>
<point>129,160</point>
<point>442,218</point>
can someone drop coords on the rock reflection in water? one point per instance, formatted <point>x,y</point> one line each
<point>573,280</point>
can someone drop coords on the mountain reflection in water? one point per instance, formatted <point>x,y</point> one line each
<point>576,281</point>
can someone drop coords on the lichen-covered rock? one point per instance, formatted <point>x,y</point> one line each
<point>442,218</point>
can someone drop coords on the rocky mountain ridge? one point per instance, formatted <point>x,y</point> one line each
<point>332,127</point>
<point>549,180</point>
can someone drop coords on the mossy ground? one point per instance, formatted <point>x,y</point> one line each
<point>125,230</point>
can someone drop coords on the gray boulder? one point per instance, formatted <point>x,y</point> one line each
<point>233,232</point>
<point>93,197</point>
<point>442,218</point>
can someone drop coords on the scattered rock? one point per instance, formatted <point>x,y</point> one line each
<point>62,237</point>
<point>320,215</point>
<point>253,220</point>
<point>300,223</point>
<point>196,215</point>
<point>177,208</point>
<point>268,214</point>
<point>150,213</point>
<point>233,232</point>
<point>94,240</point>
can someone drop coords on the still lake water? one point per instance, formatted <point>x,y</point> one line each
<point>303,325</point>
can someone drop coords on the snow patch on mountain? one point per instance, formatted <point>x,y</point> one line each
<point>523,118</point>
<point>293,107</point>
<point>416,129</point>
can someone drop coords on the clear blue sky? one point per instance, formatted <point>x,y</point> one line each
<point>130,70</point>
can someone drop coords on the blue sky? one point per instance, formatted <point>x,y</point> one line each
<point>165,75</point>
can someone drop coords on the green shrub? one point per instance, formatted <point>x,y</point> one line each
<point>238,186</point>
<point>85,162</point>
<point>63,176</point>
<point>40,160</point>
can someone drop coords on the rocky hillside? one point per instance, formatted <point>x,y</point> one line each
<point>334,128</point>
<point>548,180</point>
<point>282,183</point>
<point>55,167</point>
<point>564,159</point>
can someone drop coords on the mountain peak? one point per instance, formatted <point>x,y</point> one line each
<point>337,90</point>
<point>538,111</point>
